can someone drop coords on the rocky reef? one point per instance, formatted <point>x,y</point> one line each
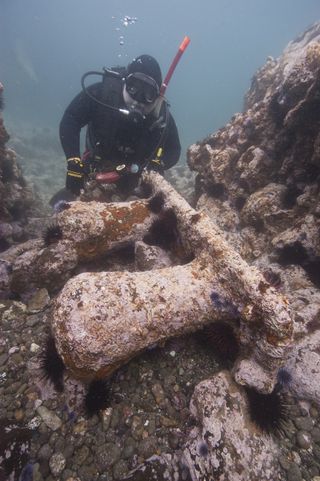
<point>40,156</point>
<point>258,178</point>
<point>19,206</point>
<point>262,169</point>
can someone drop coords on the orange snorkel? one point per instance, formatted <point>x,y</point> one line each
<point>185,42</point>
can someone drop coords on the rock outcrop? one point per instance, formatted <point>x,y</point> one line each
<point>258,178</point>
<point>224,445</point>
<point>17,200</point>
<point>262,168</point>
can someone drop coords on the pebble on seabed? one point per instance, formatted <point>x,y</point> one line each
<point>145,404</point>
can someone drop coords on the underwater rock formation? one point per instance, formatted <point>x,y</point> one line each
<point>304,368</point>
<point>258,178</point>
<point>101,320</point>
<point>39,153</point>
<point>264,164</point>
<point>17,200</point>
<point>223,445</point>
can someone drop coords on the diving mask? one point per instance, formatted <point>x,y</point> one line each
<point>142,88</point>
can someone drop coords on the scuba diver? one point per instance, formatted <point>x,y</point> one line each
<point>129,128</point>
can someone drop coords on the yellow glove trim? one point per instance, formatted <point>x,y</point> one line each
<point>76,160</point>
<point>74,174</point>
<point>156,161</point>
<point>159,152</point>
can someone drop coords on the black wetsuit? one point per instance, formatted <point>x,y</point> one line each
<point>112,136</point>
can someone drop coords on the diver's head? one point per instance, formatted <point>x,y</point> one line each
<point>142,84</point>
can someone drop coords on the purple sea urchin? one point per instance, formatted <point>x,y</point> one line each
<point>314,324</point>
<point>163,231</point>
<point>27,472</point>
<point>284,378</point>
<point>289,198</point>
<point>97,396</point>
<point>220,338</point>
<point>267,411</point>
<point>203,449</point>
<point>296,254</point>
<point>312,268</point>
<point>224,305</point>
<point>156,203</point>
<point>239,202</point>
<point>52,234</point>
<point>52,364</point>
<point>217,191</point>
<point>272,277</point>
<point>292,254</point>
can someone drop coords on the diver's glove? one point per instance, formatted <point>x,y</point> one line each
<point>157,165</point>
<point>75,175</point>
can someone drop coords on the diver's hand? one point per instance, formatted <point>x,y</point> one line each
<point>157,165</point>
<point>75,175</point>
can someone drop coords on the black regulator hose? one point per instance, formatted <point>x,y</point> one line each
<point>101,74</point>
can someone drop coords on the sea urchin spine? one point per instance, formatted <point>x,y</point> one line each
<point>52,364</point>
<point>220,338</point>
<point>52,235</point>
<point>163,231</point>
<point>284,378</point>
<point>156,203</point>
<point>267,411</point>
<point>97,396</point>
